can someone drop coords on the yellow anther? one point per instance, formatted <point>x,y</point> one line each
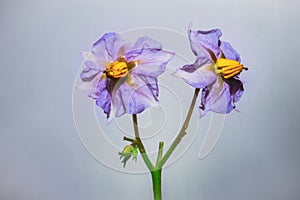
<point>228,68</point>
<point>223,62</point>
<point>117,69</point>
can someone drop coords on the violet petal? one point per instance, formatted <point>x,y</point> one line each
<point>151,62</point>
<point>229,52</point>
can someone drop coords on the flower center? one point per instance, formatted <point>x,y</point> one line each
<point>228,68</point>
<point>117,69</point>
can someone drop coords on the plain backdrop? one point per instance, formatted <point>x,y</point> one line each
<point>41,156</point>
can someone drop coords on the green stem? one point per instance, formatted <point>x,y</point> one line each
<point>156,183</point>
<point>160,152</point>
<point>140,144</point>
<point>161,160</point>
<point>155,173</point>
<point>182,132</point>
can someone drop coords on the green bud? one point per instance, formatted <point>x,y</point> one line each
<point>128,151</point>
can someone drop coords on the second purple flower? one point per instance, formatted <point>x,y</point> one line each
<point>215,70</point>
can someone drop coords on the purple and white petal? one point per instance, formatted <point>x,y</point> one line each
<point>205,44</point>
<point>90,71</point>
<point>90,87</point>
<point>133,96</point>
<point>97,60</point>
<point>103,94</point>
<point>229,52</point>
<point>151,82</point>
<point>146,42</point>
<point>217,98</point>
<point>236,88</point>
<point>198,77</point>
<point>151,62</point>
<point>111,46</point>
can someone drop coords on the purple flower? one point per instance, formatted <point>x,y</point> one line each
<point>215,70</point>
<point>122,77</point>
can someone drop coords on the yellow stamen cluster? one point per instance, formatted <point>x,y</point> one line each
<point>117,69</point>
<point>228,68</point>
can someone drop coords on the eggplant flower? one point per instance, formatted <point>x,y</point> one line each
<point>215,70</point>
<point>121,76</point>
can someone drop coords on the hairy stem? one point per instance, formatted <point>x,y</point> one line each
<point>160,152</point>
<point>181,132</point>
<point>140,144</point>
<point>156,170</point>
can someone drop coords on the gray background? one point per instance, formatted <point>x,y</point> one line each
<point>41,156</point>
